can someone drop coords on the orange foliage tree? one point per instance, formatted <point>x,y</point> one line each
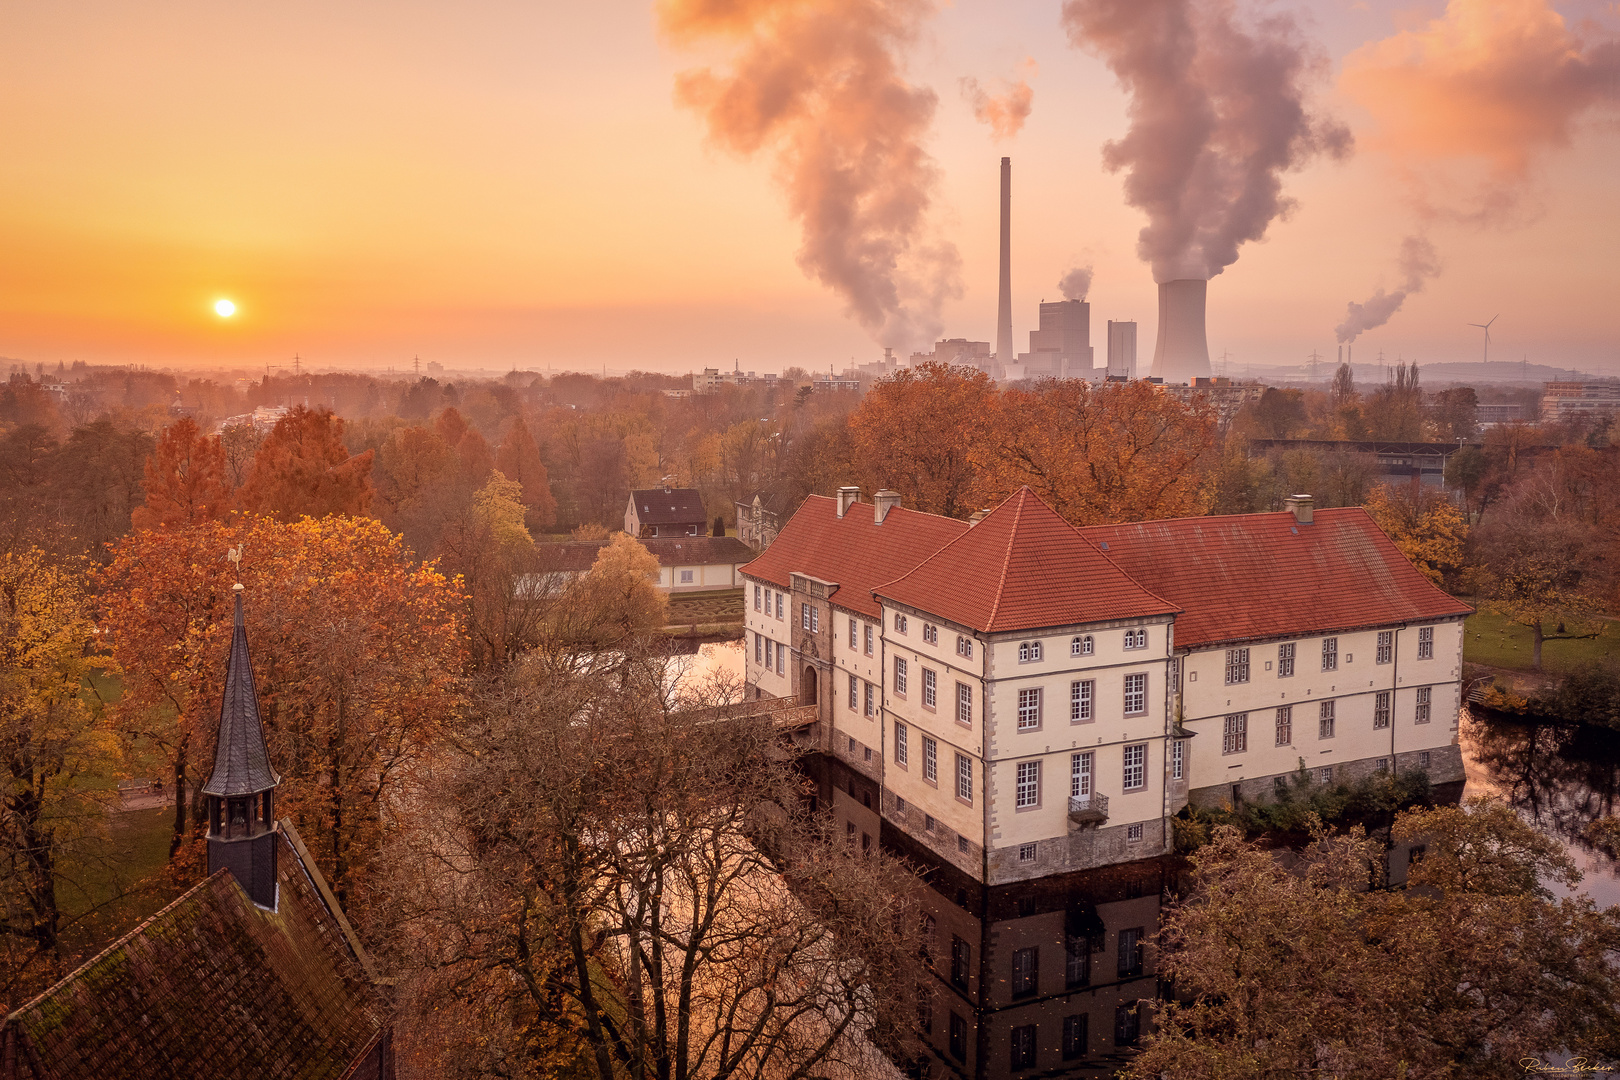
<point>303,469</point>
<point>356,652</point>
<point>519,459</point>
<point>185,479</point>
<point>1119,452</point>
<point>917,432</point>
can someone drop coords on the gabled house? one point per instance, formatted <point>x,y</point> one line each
<point>665,512</point>
<point>255,973</point>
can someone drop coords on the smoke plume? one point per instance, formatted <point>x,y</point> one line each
<point>1076,283</point>
<point>1006,111</point>
<point>819,86</point>
<point>1466,103</point>
<point>1418,262</point>
<point>1217,115</point>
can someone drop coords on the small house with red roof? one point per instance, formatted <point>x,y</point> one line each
<point>1028,698</point>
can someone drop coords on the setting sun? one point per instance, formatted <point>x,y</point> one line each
<point>224,308</point>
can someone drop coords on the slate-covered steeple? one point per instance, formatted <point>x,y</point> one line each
<point>241,790</point>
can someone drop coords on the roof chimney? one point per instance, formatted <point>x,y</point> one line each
<point>847,497</point>
<point>882,503</point>
<point>1004,334</point>
<point>1301,505</point>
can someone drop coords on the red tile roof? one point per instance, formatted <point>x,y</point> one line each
<point>1023,567</point>
<point>852,551</point>
<point>1247,576</point>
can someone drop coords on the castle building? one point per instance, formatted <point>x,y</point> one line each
<point>1027,698</point>
<point>254,973</point>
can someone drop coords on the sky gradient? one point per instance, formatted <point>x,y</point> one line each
<point>501,183</point>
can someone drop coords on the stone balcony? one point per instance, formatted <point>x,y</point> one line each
<point>1088,809</point>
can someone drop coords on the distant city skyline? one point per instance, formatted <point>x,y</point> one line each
<point>509,185</point>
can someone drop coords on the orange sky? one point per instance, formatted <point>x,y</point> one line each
<point>503,183</point>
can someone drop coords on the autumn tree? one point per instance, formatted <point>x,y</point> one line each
<point>1428,528</point>
<point>185,479</point>
<point>610,879</point>
<point>1394,411</point>
<point>59,757</point>
<point>355,650</point>
<point>1471,969</point>
<point>519,460</point>
<point>617,600</point>
<point>1096,455</point>
<point>917,432</point>
<point>303,469</point>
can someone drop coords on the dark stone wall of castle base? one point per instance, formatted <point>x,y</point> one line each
<point>251,861</point>
<point>1445,766</point>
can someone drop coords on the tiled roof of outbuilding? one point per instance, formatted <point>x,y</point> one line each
<point>580,555</point>
<point>1023,567</point>
<point>1247,576</point>
<point>852,551</point>
<point>213,985</point>
<point>668,506</point>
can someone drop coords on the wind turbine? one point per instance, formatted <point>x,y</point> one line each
<point>1486,326</point>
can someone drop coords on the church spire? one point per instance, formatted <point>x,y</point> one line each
<point>240,792</point>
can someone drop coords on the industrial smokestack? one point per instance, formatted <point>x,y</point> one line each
<point>1181,353</point>
<point>1004,338</point>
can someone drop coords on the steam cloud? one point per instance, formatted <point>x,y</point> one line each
<point>1217,114</point>
<point>1076,283</point>
<point>1004,112</point>
<point>818,84</point>
<point>1419,262</point>
<point>1488,86</point>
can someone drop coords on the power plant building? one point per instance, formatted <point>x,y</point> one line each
<point>1121,350</point>
<point>1181,353</point>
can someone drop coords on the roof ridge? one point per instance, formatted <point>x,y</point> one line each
<point>1006,557</point>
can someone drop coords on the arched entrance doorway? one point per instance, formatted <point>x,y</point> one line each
<point>807,686</point>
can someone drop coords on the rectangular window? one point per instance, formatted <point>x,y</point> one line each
<point>961,959</point>
<point>1023,1046</point>
<point>815,619</point>
<point>1237,666</point>
<point>854,693</point>
<point>1178,759</point>
<point>1029,652</point>
<point>1330,654</point>
<point>1074,1036</point>
<point>780,604</point>
<point>854,631</point>
<point>1285,660</point>
<point>1082,695</point>
<point>964,646</point>
<point>1133,833</point>
<point>1025,971</point>
<point>1127,1025</point>
<point>1076,961</point>
<point>1235,739</point>
<point>899,675</point>
<point>1386,646</point>
<point>759,648</point>
<point>1324,728</point>
<point>1325,774</point>
<point>1081,646</point>
<point>1285,725</point>
<point>1080,774</point>
<point>1423,760</point>
<point>964,704</point>
<point>930,760</point>
<point>781,658</point>
<point>1027,852</point>
<point>1135,777</point>
<point>1130,953</point>
<point>930,688</point>
<point>870,703</point>
<point>1029,784</point>
<point>868,638</point>
<point>1424,701</point>
<point>900,752</point>
<point>1029,708</point>
<point>756,597</point>
<point>964,778</point>
<point>1425,643</point>
<point>958,1037</point>
<point>1135,694</point>
<point>804,616</point>
<point>1381,709</point>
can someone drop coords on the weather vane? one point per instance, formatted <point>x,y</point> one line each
<point>235,555</point>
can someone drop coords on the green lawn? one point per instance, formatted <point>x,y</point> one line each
<point>114,885</point>
<point>1492,639</point>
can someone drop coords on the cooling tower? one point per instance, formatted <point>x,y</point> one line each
<point>1181,353</point>
<point>1004,338</point>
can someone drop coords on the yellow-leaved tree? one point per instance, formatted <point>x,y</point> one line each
<point>1427,527</point>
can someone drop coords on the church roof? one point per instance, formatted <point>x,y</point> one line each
<point>241,759</point>
<point>214,985</point>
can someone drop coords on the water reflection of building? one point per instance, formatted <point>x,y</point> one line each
<point>1049,977</point>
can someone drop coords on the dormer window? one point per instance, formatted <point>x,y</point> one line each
<point>1082,646</point>
<point>1029,652</point>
